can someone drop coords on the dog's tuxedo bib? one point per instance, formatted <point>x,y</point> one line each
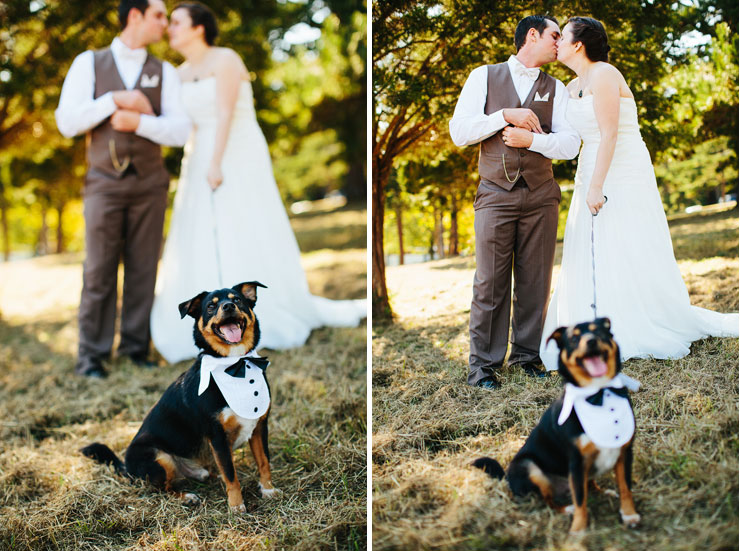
<point>604,413</point>
<point>241,382</point>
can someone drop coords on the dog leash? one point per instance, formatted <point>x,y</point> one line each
<point>593,256</point>
<point>215,238</point>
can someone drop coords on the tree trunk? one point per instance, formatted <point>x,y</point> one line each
<point>399,227</point>
<point>355,183</point>
<point>454,249</point>
<point>381,306</point>
<point>4,222</point>
<point>42,245</point>
<point>60,227</point>
<point>439,232</point>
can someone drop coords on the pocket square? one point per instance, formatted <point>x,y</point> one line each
<point>149,81</point>
<point>537,97</point>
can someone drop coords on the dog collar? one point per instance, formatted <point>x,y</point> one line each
<point>610,424</point>
<point>241,381</point>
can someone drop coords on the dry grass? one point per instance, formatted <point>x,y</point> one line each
<point>51,497</point>
<point>428,424</point>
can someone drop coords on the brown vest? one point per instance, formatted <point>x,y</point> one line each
<point>499,163</point>
<point>110,151</point>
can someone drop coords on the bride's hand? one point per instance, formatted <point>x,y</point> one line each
<point>215,177</point>
<point>595,199</point>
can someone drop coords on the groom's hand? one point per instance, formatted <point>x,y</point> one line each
<point>523,118</point>
<point>517,137</point>
<point>124,120</point>
<point>133,100</point>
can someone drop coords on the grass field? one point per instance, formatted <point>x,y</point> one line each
<point>428,424</point>
<point>51,497</point>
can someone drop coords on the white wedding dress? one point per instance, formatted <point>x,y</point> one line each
<point>238,233</point>
<point>638,282</point>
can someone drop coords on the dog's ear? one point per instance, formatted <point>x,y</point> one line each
<point>558,336</point>
<point>249,289</point>
<point>605,323</point>
<point>192,307</point>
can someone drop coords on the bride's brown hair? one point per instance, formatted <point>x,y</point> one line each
<point>201,15</point>
<point>592,34</point>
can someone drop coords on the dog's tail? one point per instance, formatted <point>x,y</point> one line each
<point>103,454</point>
<point>489,466</point>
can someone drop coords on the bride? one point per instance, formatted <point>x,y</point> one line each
<point>228,222</point>
<point>638,282</point>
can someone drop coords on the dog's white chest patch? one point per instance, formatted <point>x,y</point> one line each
<point>246,426</point>
<point>606,458</point>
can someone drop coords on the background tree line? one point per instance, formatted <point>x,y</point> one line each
<point>423,185</point>
<point>310,98</point>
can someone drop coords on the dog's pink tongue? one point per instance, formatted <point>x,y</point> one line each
<point>232,332</point>
<point>595,366</point>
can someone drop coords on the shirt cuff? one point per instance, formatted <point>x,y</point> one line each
<point>497,120</point>
<point>105,106</point>
<point>147,127</point>
<point>538,143</point>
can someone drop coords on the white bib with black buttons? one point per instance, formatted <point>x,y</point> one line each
<point>247,396</point>
<point>609,425</point>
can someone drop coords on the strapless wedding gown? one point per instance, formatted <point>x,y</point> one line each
<point>638,282</point>
<point>238,233</point>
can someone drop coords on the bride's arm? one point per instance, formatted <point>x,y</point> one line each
<point>229,71</point>
<point>606,107</point>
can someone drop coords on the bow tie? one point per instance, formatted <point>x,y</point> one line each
<point>138,55</point>
<point>598,398</point>
<point>530,73</point>
<point>238,370</point>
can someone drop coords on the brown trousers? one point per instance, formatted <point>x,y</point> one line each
<point>124,219</point>
<point>512,228</point>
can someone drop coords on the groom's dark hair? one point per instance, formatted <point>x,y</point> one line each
<point>536,22</point>
<point>126,6</point>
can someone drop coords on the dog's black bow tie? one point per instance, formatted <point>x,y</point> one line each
<point>239,368</point>
<point>598,398</point>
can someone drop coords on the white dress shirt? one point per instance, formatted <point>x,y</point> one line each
<point>78,111</point>
<point>470,124</point>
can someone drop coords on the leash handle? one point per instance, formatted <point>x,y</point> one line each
<point>215,238</point>
<point>593,257</point>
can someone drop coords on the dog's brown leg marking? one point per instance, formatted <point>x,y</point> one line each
<point>627,510</point>
<point>172,474</point>
<point>165,461</point>
<point>231,426</point>
<point>228,474</point>
<point>540,479</point>
<point>258,451</point>
<point>579,484</point>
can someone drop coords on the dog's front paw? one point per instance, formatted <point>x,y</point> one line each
<point>238,509</point>
<point>190,500</point>
<point>630,521</point>
<point>269,493</point>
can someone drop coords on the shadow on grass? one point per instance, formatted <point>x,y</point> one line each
<point>340,229</point>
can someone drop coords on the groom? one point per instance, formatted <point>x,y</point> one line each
<point>128,103</point>
<point>517,114</point>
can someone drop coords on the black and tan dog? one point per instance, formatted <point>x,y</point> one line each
<point>559,448</point>
<point>177,434</point>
